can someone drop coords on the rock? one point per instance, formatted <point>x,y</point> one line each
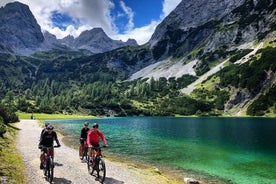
<point>191,181</point>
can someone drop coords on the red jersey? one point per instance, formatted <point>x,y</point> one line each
<point>94,135</point>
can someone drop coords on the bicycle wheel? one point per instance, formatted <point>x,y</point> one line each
<point>45,167</point>
<point>50,172</point>
<point>85,153</point>
<point>80,154</point>
<point>90,167</point>
<point>101,170</point>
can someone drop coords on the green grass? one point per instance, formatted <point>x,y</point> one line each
<point>42,116</point>
<point>11,167</point>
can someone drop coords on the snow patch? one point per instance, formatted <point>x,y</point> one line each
<point>165,68</point>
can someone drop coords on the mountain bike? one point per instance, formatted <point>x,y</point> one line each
<point>97,164</point>
<point>48,164</point>
<point>85,152</point>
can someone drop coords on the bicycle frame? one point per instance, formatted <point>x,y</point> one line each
<point>85,152</point>
<point>48,163</point>
<point>97,164</point>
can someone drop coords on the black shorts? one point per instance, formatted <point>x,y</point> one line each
<point>96,146</point>
<point>82,140</point>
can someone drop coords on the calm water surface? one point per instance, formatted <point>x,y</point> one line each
<point>240,150</point>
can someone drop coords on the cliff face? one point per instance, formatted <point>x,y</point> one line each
<point>21,34</point>
<point>19,30</point>
<point>207,24</point>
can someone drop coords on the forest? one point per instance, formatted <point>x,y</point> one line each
<point>84,85</point>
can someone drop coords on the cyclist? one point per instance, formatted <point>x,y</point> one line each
<point>83,137</point>
<point>93,139</point>
<point>43,130</point>
<point>47,140</point>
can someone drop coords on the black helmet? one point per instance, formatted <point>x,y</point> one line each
<point>86,124</point>
<point>50,127</point>
<point>95,125</point>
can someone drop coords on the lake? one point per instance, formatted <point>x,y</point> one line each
<point>237,150</point>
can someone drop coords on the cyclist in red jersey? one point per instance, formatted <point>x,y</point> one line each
<point>93,136</point>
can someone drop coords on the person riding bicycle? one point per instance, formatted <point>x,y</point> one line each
<point>83,137</point>
<point>43,130</point>
<point>47,140</point>
<point>93,139</point>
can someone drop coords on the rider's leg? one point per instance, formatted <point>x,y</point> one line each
<point>82,148</point>
<point>41,159</point>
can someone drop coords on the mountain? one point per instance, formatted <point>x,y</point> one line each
<point>19,30</point>
<point>96,41</point>
<point>209,57</point>
<point>20,33</point>
<point>205,25</point>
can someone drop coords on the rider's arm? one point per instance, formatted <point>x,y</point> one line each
<point>102,137</point>
<point>41,139</point>
<point>88,139</point>
<point>56,138</point>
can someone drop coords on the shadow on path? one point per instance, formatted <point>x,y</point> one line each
<point>61,180</point>
<point>112,181</point>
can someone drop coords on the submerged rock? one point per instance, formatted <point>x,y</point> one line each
<point>191,181</point>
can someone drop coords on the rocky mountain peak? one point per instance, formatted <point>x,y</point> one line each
<point>97,41</point>
<point>19,28</point>
<point>191,14</point>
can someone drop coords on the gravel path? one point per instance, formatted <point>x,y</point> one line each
<point>68,167</point>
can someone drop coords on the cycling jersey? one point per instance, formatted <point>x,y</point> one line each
<point>84,132</point>
<point>94,135</point>
<point>47,139</point>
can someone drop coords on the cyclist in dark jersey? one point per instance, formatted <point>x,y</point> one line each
<point>83,137</point>
<point>43,130</point>
<point>47,140</point>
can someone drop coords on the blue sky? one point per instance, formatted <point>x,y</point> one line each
<point>120,19</point>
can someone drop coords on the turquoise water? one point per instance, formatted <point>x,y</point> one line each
<point>239,150</point>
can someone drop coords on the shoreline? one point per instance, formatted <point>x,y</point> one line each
<point>70,169</point>
<point>170,173</point>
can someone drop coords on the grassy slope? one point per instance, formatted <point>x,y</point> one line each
<point>11,167</point>
<point>42,116</point>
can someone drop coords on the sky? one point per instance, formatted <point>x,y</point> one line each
<point>120,19</point>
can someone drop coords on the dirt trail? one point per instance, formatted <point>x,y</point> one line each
<point>68,167</point>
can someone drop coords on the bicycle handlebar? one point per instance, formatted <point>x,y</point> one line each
<point>104,146</point>
<point>42,147</point>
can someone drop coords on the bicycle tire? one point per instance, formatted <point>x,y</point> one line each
<point>90,167</point>
<point>45,168</point>
<point>101,170</point>
<point>80,155</point>
<point>50,170</point>
<point>86,153</point>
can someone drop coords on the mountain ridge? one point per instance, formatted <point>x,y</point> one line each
<point>148,79</point>
<point>21,34</point>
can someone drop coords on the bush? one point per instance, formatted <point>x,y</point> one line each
<point>8,115</point>
<point>2,127</point>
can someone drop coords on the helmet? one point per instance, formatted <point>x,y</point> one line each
<point>46,124</point>
<point>86,124</point>
<point>50,127</point>
<point>95,125</point>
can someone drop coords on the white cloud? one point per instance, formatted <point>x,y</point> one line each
<point>141,35</point>
<point>168,6</point>
<point>128,11</point>
<point>89,14</point>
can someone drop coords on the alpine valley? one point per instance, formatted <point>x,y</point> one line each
<point>206,58</point>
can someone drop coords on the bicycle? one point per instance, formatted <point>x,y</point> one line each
<point>85,152</point>
<point>97,164</point>
<point>48,163</point>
